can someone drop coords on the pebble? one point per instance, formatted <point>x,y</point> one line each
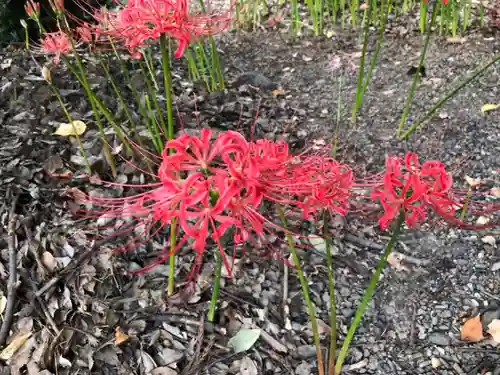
<point>435,362</point>
<point>438,338</point>
<point>306,351</point>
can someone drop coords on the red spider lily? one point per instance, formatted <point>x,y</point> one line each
<point>57,5</point>
<point>56,43</point>
<point>418,189</point>
<point>213,186</point>
<point>139,22</point>
<point>32,9</point>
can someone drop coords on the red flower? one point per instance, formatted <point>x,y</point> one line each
<point>139,22</point>
<point>416,189</point>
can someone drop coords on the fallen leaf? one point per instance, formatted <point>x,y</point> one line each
<point>490,240</point>
<point>248,367</point>
<point>494,330</point>
<point>473,182</point>
<point>489,107</point>
<point>16,343</point>
<point>278,92</point>
<point>395,260</point>
<point>3,304</point>
<point>46,74</point>
<point>163,370</point>
<point>244,340</point>
<point>49,261</point>
<point>495,192</point>
<point>472,330</point>
<point>456,40</point>
<point>73,128</point>
<point>120,337</point>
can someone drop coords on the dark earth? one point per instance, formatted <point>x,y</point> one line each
<point>75,299</point>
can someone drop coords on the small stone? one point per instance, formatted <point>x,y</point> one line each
<point>440,339</point>
<point>306,351</point>
<point>495,266</point>
<point>435,362</point>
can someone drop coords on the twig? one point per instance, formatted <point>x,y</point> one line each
<point>286,308</point>
<point>11,283</point>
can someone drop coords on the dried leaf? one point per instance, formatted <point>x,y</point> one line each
<point>49,261</point>
<point>120,337</point>
<point>494,330</point>
<point>3,304</point>
<point>71,129</point>
<point>473,182</point>
<point>163,370</point>
<point>248,367</point>
<point>472,330</point>
<point>244,340</point>
<point>489,107</point>
<point>16,343</point>
<point>490,240</point>
<point>495,192</point>
<point>395,259</point>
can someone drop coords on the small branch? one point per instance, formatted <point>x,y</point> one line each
<point>11,283</point>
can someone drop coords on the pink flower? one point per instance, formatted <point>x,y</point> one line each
<point>57,5</point>
<point>57,43</point>
<point>32,9</point>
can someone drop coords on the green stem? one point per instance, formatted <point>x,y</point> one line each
<point>305,293</point>
<point>331,287</point>
<point>361,74</point>
<point>70,120</point>
<point>171,259</point>
<point>216,287</point>
<point>368,293</point>
<point>416,78</point>
<point>452,93</point>
<point>366,80</point>
<point>167,77</point>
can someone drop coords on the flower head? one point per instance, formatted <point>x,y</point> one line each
<point>56,43</point>
<point>140,22</point>
<point>32,9</point>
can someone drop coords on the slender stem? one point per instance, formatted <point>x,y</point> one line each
<point>361,73</point>
<point>171,259</point>
<point>368,294</point>
<point>452,93</point>
<point>216,287</point>
<point>416,78</point>
<point>70,120</point>
<point>167,77</point>
<point>333,306</point>
<point>305,293</point>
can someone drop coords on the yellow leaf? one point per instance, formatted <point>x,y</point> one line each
<point>14,345</point>
<point>489,107</point>
<point>120,337</point>
<point>3,304</point>
<point>73,128</point>
<point>494,330</point>
<point>472,330</point>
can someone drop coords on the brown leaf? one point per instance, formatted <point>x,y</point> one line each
<point>472,330</point>
<point>120,337</point>
<point>494,330</point>
<point>495,192</point>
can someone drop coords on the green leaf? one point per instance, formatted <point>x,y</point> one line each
<point>244,340</point>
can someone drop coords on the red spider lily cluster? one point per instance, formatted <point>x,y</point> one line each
<point>138,23</point>
<point>215,187</point>
<point>133,25</point>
